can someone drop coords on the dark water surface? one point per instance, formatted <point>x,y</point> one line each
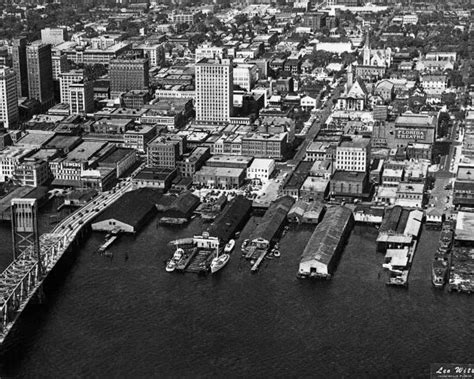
<point>128,317</point>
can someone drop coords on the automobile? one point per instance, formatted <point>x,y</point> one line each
<point>81,222</point>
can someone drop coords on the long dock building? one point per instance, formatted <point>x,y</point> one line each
<point>322,252</point>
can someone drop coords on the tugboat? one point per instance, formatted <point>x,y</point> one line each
<point>229,246</point>
<point>219,261</point>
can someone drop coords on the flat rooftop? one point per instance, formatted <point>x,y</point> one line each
<point>85,150</point>
<point>221,171</point>
<point>465,226</point>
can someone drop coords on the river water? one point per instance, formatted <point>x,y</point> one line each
<point>126,316</point>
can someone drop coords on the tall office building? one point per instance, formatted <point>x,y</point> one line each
<point>40,73</point>
<point>65,81</point>
<point>128,73</point>
<point>81,97</point>
<point>8,98</point>
<point>19,65</point>
<point>214,100</point>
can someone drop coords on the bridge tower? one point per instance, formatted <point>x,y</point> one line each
<point>25,235</point>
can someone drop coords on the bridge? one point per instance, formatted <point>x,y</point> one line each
<point>20,281</point>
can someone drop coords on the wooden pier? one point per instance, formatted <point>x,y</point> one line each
<point>259,260</point>
<point>188,256</point>
<point>200,262</point>
<point>107,243</point>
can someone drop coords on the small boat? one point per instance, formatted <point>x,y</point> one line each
<point>245,243</point>
<point>219,261</point>
<point>229,246</point>
<point>170,267</point>
<point>173,262</point>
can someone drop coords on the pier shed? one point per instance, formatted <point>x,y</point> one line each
<point>232,219</point>
<point>320,256</point>
<point>177,210</point>
<point>400,227</point>
<point>129,213</point>
<point>271,223</point>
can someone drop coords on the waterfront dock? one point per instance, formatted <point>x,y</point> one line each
<point>461,276</point>
<point>399,272</point>
<point>189,254</point>
<point>259,260</point>
<point>200,261</point>
<point>107,244</point>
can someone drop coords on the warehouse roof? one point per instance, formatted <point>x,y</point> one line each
<point>132,207</point>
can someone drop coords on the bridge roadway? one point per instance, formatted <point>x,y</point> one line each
<point>22,278</point>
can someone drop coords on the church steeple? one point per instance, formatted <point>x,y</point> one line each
<point>350,78</point>
<point>366,60</point>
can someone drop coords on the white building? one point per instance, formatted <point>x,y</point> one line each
<point>81,97</point>
<point>410,19</point>
<point>245,76</point>
<point>32,173</point>
<point>8,97</point>
<point>10,158</point>
<point>65,81</point>
<point>353,155</point>
<point>261,169</point>
<point>153,52</point>
<point>53,36</point>
<point>214,98</point>
<point>209,52</point>
<point>434,84</point>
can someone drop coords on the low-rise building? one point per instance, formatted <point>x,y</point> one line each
<point>219,177</point>
<point>10,158</point>
<point>315,188</point>
<point>410,195</point>
<point>32,173</point>
<point>349,185</point>
<point>155,177</point>
<point>121,159</point>
<point>163,151</point>
<point>261,169</point>
<point>139,137</point>
<point>191,163</point>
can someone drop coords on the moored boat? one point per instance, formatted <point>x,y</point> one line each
<point>229,246</point>
<point>219,262</point>
<point>172,263</point>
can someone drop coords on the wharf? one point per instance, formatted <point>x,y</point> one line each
<point>108,243</point>
<point>259,260</point>
<point>461,276</point>
<point>200,261</point>
<point>188,255</point>
<point>401,278</point>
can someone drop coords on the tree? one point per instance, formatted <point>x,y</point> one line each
<point>241,19</point>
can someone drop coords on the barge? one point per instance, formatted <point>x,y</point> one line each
<point>442,257</point>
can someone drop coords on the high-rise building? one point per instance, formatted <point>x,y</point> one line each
<point>8,98</point>
<point>65,81</point>
<point>40,73</point>
<point>81,97</point>
<point>128,73</point>
<point>60,65</point>
<point>19,65</point>
<point>53,36</point>
<point>214,100</point>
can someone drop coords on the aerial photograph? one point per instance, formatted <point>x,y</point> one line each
<point>237,188</point>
